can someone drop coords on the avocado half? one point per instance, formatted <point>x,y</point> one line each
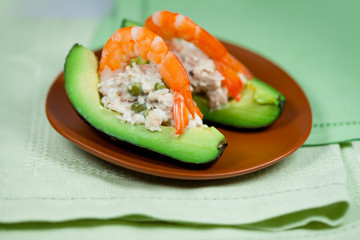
<point>199,146</point>
<point>259,106</point>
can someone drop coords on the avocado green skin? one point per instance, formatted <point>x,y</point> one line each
<point>259,106</point>
<point>195,145</point>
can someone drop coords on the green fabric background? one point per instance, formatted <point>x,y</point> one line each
<point>50,189</point>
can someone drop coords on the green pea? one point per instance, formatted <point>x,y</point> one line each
<point>134,89</point>
<point>137,107</point>
<point>159,86</point>
<point>146,112</point>
<point>138,61</point>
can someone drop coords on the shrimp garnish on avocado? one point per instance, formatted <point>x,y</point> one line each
<point>128,43</point>
<point>173,25</point>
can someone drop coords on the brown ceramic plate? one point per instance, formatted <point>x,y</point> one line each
<point>248,151</point>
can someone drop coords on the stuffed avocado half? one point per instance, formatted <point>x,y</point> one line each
<point>198,145</point>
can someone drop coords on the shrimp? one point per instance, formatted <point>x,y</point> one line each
<point>173,25</point>
<point>130,42</point>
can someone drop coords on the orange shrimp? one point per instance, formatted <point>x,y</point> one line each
<point>169,25</point>
<point>130,42</point>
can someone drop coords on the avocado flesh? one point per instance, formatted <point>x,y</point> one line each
<point>259,106</point>
<point>196,145</point>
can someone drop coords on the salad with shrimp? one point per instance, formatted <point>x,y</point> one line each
<point>140,93</point>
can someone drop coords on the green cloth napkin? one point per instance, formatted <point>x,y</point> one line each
<point>51,189</point>
<point>125,229</point>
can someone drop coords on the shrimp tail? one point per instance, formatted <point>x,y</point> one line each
<point>231,81</point>
<point>189,102</point>
<point>181,113</point>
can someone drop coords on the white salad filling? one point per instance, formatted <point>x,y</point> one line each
<point>204,77</point>
<point>140,96</point>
